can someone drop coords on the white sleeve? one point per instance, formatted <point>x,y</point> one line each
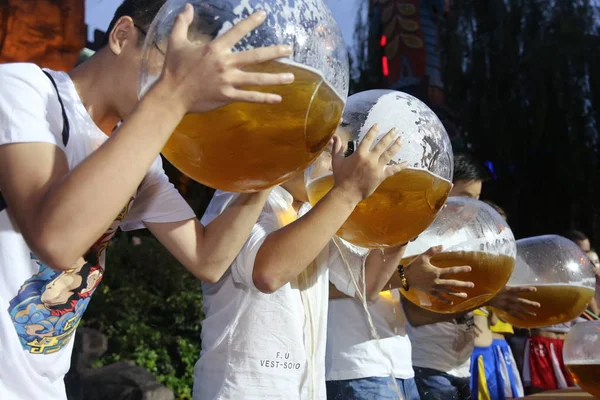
<point>29,106</point>
<point>156,201</point>
<point>345,263</point>
<point>243,265</point>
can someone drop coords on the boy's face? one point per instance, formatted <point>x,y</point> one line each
<point>471,189</point>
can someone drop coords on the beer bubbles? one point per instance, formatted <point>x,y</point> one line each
<point>407,202</point>
<point>244,147</point>
<point>581,353</point>
<point>472,234</point>
<point>562,274</point>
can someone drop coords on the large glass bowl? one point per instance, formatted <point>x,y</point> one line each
<point>581,354</point>
<point>407,202</point>
<point>244,147</point>
<point>472,234</point>
<point>562,274</point>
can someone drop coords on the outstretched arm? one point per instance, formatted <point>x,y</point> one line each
<point>289,250</point>
<point>208,251</point>
<point>380,266</point>
<point>381,273</point>
<point>508,300</point>
<point>61,212</point>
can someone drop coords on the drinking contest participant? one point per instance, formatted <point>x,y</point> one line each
<point>66,186</point>
<point>358,366</point>
<point>443,343</point>
<point>265,320</point>
<point>544,368</point>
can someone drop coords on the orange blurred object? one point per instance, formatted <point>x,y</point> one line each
<point>49,33</point>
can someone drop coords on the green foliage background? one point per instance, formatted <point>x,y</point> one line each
<point>150,308</point>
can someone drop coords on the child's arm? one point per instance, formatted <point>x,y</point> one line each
<point>379,268</point>
<point>508,300</point>
<point>381,273</point>
<point>346,260</point>
<point>208,251</point>
<point>289,250</point>
<point>60,212</point>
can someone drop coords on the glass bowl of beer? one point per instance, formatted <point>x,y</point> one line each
<point>407,202</point>
<point>473,234</point>
<point>562,275</point>
<point>581,353</point>
<point>244,147</point>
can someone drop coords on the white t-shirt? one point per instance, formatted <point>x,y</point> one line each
<point>445,346</point>
<point>257,345</point>
<point>40,308</point>
<point>352,353</point>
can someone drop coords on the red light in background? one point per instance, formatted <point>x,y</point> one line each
<point>384,66</point>
<point>384,59</point>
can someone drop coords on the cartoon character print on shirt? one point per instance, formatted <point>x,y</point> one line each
<point>49,305</point>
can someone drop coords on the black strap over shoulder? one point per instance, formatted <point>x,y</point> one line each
<point>65,132</point>
<point>66,128</point>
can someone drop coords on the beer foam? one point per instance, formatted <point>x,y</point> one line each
<point>424,139</point>
<point>308,26</point>
<point>461,240</point>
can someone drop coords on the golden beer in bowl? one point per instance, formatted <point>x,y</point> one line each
<point>473,234</point>
<point>586,376</point>
<point>246,147</point>
<point>488,271</point>
<point>406,203</point>
<point>559,303</point>
<point>401,208</point>
<point>581,353</point>
<point>256,146</point>
<point>562,274</point>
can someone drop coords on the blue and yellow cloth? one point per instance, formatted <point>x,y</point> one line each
<point>494,374</point>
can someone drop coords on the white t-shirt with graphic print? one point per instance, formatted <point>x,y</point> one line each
<point>257,345</point>
<point>40,308</point>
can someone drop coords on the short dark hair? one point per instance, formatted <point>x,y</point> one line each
<point>575,235</point>
<point>142,12</point>
<point>468,168</point>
